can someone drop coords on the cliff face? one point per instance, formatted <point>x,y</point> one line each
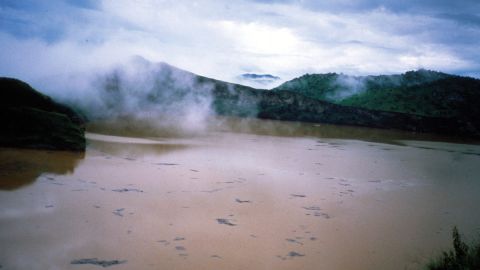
<point>32,120</point>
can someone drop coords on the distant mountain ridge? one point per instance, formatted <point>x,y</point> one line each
<point>172,91</point>
<point>259,76</point>
<point>258,80</point>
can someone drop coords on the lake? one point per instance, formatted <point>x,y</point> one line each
<point>239,194</point>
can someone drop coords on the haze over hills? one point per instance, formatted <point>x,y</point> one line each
<point>145,90</point>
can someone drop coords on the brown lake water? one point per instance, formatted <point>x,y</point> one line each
<point>241,195</point>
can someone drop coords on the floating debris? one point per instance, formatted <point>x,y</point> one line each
<point>312,208</point>
<point>243,201</point>
<point>290,255</point>
<point>212,190</point>
<point>320,214</point>
<point>180,248</point>
<point>119,212</point>
<point>164,242</point>
<point>316,212</point>
<point>295,254</point>
<point>294,241</point>
<point>227,182</point>
<point>298,195</point>
<point>166,164</point>
<point>121,190</point>
<point>179,239</point>
<point>49,206</point>
<point>215,256</point>
<point>225,222</point>
<point>193,170</point>
<point>96,261</point>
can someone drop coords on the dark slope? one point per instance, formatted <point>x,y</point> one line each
<point>168,92</point>
<point>30,119</point>
<point>285,105</point>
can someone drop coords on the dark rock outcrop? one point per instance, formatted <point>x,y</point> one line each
<point>30,119</point>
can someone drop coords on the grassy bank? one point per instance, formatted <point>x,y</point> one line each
<point>462,257</point>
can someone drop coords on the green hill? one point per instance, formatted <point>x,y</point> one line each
<point>448,97</point>
<point>335,87</point>
<point>422,92</point>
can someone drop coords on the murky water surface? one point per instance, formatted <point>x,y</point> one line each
<point>244,195</point>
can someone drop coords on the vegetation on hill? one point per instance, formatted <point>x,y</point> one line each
<point>448,97</point>
<point>335,87</point>
<point>423,92</point>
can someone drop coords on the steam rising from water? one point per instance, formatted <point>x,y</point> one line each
<point>141,91</point>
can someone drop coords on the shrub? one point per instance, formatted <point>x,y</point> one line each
<point>462,257</point>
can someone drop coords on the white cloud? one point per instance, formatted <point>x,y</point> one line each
<point>256,38</point>
<point>223,40</point>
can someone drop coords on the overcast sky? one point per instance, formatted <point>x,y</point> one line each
<point>223,39</point>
